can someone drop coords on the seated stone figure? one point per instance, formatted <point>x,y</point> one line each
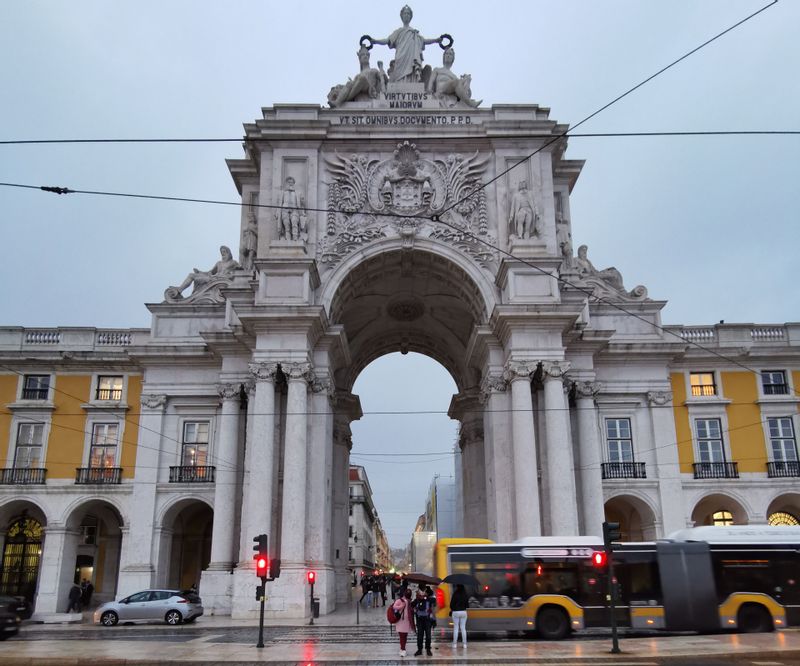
<point>585,268</point>
<point>368,83</point>
<point>443,81</point>
<point>205,282</point>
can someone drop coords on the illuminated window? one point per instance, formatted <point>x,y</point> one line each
<point>104,445</point>
<point>702,383</point>
<point>109,387</point>
<point>782,518</point>
<point>722,518</point>
<point>774,382</point>
<point>28,452</point>
<point>195,444</point>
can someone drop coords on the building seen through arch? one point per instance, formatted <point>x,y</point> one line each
<point>152,457</point>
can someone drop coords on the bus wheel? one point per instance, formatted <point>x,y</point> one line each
<point>754,619</point>
<point>552,624</point>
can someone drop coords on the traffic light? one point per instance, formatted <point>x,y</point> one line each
<point>599,559</point>
<point>275,569</point>
<point>259,592</point>
<point>262,555</point>
<point>312,577</point>
<point>611,533</point>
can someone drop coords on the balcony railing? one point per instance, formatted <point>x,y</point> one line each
<point>704,390</point>
<point>87,475</point>
<point>624,470</point>
<point>22,476</point>
<point>191,474</point>
<point>35,393</point>
<point>783,468</point>
<point>716,470</point>
<point>109,394</point>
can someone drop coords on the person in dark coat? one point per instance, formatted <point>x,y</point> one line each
<point>74,599</point>
<point>424,614</point>
<point>459,603</point>
<point>87,589</point>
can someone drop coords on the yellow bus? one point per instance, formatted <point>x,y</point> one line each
<point>700,579</point>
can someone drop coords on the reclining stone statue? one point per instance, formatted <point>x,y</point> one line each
<point>205,284</point>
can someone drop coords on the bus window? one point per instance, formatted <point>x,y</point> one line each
<point>550,578</point>
<point>743,572</point>
<point>499,584</point>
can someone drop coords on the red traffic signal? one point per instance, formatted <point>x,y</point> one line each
<point>599,559</point>
<point>312,577</point>
<point>262,564</point>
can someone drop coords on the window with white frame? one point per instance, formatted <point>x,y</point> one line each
<point>103,452</point>
<point>774,382</point>
<point>109,387</point>
<point>781,439</point>
<point>702,384</point>
<point>709,440</point>
<point>28,452</point>
<point>195,444</point>
<point>35,387</point>
<point>620,443</point>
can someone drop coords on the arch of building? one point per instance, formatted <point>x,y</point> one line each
<point>716,503</point>
<point>22,523</point>
<point>184,543</point>
<point>787,504</point>
<point>635,515</point>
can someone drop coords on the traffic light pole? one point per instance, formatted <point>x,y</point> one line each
<point>612,588</point>
<point>312,603</point>
<point>260,643</point>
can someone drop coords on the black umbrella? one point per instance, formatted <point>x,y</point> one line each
<point>418,577</point>
<point>461,579</point>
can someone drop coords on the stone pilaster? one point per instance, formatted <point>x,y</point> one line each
<point>590,452</point>
<point>56,569</point>
<point>560,467</point>
<point>466,407</point>
<point>137,566</point>
<point>526,483</point>
<point>673,515</point>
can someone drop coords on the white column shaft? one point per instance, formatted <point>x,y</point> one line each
<point>222,550</point>
<point>670,489</point>
<point>590,461</point>
<point>293,522</point>
<point>560,473</point>
<point>526,491</point>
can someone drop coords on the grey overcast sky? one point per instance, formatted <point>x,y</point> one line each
<point>709,224</point>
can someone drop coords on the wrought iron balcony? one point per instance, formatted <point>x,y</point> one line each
<point>624,470</point>
<point>22,476</point>
<point>191,474</point>
<point>783,468</point>
<point>91,475</point>
<point>716,470</point>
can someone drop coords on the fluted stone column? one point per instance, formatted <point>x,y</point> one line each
<point>498,454</point>
<point>526,483</point>
<point>259,464</point>
<point>590,452</point>
<point>673,514</point>
<point>560,466</point>
<point>293,521</point>
<point>225,478</point>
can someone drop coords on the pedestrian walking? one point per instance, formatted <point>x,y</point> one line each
<point>364,589</point>
<point>87,589</point>
<point>383,590</point>
<point>405,625</point>
<point>74,598</point>
<point>459,603</point>
<point>424,609</point>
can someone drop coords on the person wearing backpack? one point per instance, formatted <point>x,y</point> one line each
<point>405,619</point>
<point>459,603</point>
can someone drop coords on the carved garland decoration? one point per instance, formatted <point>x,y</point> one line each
<point>402,191</point>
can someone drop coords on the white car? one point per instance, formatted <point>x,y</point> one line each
<point>171,606</point>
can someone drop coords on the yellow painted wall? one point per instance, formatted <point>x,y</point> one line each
<point>683,429</point>
<point>66,441</point>
<point>131,439</point>
<point>8,394</point>
<point>745,431</point>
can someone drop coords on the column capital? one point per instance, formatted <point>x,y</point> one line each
<point>515,370</point>
<point>492,383</point>
<point>263,371</point>
<point>555,369</point>
<point>469,434</point>
<point>324,383</point>
<point>154,400</point>
<point>342,436</point>
<point>302,371</point>
<point>587,389</point>
<point>659,398</point>
<point>228,391</point>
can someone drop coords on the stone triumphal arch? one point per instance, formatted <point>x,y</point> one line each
<point>403,217</point>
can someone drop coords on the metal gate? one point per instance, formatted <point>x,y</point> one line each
<point>22,552</point>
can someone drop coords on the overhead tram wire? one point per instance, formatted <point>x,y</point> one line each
<point>569,134</point>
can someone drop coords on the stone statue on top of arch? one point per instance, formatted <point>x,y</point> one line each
<point>408,46</point>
